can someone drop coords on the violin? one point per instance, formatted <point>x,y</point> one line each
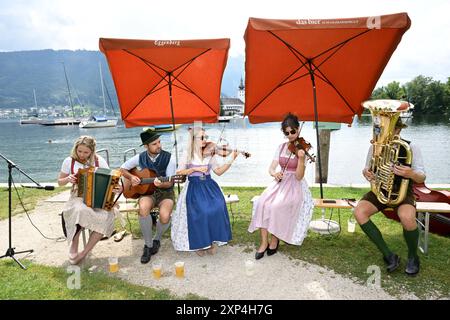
<point>212,149</point>
<point>301,144</point>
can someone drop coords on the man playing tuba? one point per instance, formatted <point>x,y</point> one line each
<point>406,208</point>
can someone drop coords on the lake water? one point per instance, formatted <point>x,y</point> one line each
<point>28,146</point>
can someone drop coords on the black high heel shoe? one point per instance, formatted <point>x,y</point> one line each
<point>259,255</point>
<point>273,251</point>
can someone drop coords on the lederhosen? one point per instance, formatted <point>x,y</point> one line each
<point>409,198</point>
<point>160,167</point>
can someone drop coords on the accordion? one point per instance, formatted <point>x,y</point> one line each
<point>95,186</point>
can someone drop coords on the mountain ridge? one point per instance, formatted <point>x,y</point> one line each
<point>42,70</point>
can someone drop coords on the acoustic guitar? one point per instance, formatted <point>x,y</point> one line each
<point>147,186</point>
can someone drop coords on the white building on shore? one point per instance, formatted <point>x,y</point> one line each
<point>234,106</point>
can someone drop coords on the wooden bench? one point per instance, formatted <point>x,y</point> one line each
<point>424,209</point>
<point>133,206</point>
<point>322,203</point>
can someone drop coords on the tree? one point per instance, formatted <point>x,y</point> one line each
<point>428,96</point>
<point>379,93</point>
<point>393,90</point>
<point>416,93</point>
<point>434,100</point>
<point>447,96</point>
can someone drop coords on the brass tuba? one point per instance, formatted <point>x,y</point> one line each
<point>388,149</point>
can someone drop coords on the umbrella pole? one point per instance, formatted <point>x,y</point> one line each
<point>316,120</point>
<point>173,125</point>
<point>322,226</point>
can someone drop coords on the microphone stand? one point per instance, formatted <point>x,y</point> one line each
<point>10,252</point>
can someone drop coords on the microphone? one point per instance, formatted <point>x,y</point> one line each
<point>40,187</point>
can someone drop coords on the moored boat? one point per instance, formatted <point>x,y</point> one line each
<point>98,122</point>
<point>31,120</point>
<point>60,122</point>
<point>164,127</point>
<point>225,118</point>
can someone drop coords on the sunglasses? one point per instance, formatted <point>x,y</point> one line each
<point>202,138</point>
<point>293,131</point>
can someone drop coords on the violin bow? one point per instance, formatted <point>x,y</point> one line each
<point>220,137</point>
<point>301,126</point>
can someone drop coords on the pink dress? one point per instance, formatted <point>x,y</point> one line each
<point>284,208</point>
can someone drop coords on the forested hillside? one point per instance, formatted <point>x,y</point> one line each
<point>23,71</point>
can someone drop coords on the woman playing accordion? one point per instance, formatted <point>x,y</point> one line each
<point>76,214</point>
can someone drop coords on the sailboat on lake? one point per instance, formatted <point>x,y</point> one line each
<point>66,120</point>
<point>32,118</point>
<point>99,121</point>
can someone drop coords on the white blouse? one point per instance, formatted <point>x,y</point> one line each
<point>196,160</point>
<point>67,163</point>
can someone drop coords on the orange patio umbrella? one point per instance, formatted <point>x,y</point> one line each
<point>319,69</point>
<point>167,81</point>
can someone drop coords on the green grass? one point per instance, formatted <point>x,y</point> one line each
<point>43,282</point>
<point>29,198</point>
<point>51,283</point>
<point>348,254</point>
<point>351,254</point>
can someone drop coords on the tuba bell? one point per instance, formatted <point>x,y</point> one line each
<point>388,150</point>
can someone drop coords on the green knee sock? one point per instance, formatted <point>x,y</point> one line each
<point>412,241</point>
<point>375,235</point>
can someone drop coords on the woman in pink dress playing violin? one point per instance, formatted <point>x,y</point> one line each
<point>285,207</point>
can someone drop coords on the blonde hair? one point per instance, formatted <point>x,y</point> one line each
<point>88,142</point>
<point>194,146</point>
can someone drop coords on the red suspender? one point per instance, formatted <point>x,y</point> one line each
<point>73,164</point>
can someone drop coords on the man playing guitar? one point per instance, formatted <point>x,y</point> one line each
<point>163,164</point>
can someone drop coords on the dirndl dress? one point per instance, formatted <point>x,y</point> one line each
<point>201,217</point>
<point>284,208</point>
<point>75,213</point>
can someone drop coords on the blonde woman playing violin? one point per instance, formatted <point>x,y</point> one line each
<point>285,208</point>
<point>201,218</point>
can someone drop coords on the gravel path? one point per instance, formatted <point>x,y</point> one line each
<point>221,276</point>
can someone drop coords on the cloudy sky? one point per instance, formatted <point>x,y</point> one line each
<point>77,24</point>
